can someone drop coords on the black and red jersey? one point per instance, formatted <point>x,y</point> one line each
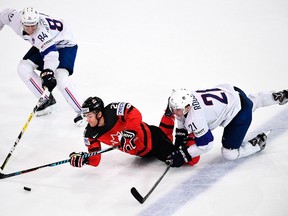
<point>118,117</point>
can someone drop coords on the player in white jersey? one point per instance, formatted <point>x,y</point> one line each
<point>199,112</point>
<point>53,53</point>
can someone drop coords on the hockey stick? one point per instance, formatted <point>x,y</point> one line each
<point>2,175</point>
<point>41,101</point>
<point>142,199</point>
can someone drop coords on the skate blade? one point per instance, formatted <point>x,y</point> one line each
<point>267,132</point>
<point>80,123</point>
<point>44,112</point>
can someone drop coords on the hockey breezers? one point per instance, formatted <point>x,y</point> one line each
<point>2,175</point>
<point>142,199</point>
<point>41,101</point>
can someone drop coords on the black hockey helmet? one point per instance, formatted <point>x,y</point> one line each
<point>92,104</point>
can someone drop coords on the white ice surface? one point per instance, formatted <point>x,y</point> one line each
<point>137,51</point>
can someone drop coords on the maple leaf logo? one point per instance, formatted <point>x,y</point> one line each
<point>115,138</point>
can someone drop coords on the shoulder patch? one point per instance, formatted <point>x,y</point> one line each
<point>121,109</point>
<point>11,15</point>
<point>86,141</point>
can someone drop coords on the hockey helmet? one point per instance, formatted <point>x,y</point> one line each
<point>92,104</point>
<point>29,16</point>
<point>180,99</point>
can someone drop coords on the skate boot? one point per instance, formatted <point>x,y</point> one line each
<point>46,108</point>
<point>260,140</point>
<point>78,120</point>
<point>281,96</point>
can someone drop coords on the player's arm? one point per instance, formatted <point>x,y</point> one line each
<point>51,61</point>
<point>76,159</point>
<point>5,16</point>
<point>94,146</point>
<point>132,118</point>
<point>45,43</point>
<point>167,122</point>
<point>204,140</point>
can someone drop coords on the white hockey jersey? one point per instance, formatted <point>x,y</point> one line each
<point>211,108</point>
<point>50,32</point>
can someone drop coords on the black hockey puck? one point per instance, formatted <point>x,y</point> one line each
<point>27,188</point>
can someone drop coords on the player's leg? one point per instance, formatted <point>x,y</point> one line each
<point>235,131</point>
<point>162,146</point>
<point>263,99</point>
<point>281,96</point>
<point>26,71</point>
<point>65,85</point>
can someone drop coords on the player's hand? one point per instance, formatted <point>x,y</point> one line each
<point>127,140</point>
<point>181,136</point>
<point>76,159</point>
<point>48,79</point>
<point>179,157</point>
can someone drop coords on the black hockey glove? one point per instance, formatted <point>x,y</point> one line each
<point>179,157</point>
<point>76,159</point>
<point>127,140</point>
<point>48,79</point>
<point>181,136</point>
<point>168,112</point>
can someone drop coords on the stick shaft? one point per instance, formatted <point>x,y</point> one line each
<point>2,175</point>
<point>39,103</point>
<point>142,199</point>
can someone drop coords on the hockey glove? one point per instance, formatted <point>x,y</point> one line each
<point>168,112</point>
<point>48,79</point>
<point>181,136</point>
<point>76,159</point>
<point>179,157</point>
<point>127,140</point>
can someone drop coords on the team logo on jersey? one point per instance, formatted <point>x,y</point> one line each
<point>115,138</point>
<point>127,141</point>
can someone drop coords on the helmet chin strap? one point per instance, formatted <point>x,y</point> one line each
<point>98,118</point>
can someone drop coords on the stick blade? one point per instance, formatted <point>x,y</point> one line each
<point>137,195</point>
<point>2,175</point>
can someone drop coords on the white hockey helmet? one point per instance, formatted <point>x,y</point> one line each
<point>29,16</point>
<point>180,99</point>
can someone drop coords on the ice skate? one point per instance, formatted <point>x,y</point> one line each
<point>281,96</point>
<point>260,140</point>
<point>47,107</point>
<point>78,120</point>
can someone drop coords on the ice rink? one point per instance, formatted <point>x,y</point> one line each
<point>138,51</point>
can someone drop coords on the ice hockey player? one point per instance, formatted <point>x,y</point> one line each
<point>120,124</point>
<point>199,112</point>
<point>50,60</point>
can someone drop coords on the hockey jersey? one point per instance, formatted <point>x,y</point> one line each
<point>50,35</point>
<point>211,108</point>
<point>118,117</point>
